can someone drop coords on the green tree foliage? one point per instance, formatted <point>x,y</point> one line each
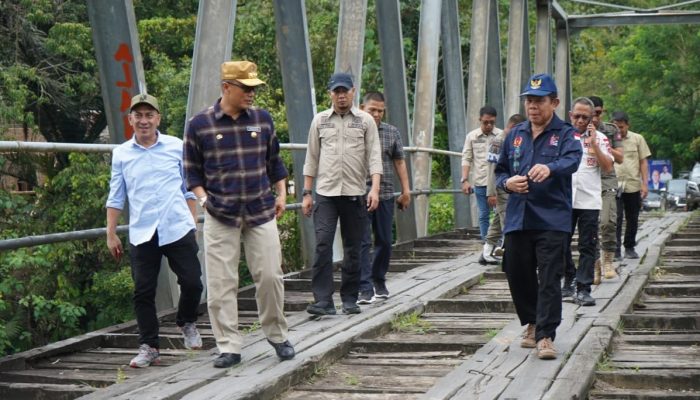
<point>652,73</point>
<point>55,291</point>
<point>48,71</point>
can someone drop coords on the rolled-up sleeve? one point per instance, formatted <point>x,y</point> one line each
<point>467,151</point>
<point>313,150</point>
<point>373,149</point>
<point>117,186</point>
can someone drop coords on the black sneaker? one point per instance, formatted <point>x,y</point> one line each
<point>380,290</point>
<point>568,290</point>
<point>618,254</point>
<point>321,308</point>
<point>351,308</point>
<point>584,298</point>
<point>284,350</point>
<point>630,253</point>
<point>365,297</point>
<point>227,360</point>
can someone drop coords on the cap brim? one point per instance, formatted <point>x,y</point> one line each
<point>144,102</point>
<point>340,84</point>
<point>251,82</point>
<point>538,93</point>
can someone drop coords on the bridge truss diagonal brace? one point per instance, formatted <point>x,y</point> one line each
<point>116,40</point>
<point>562,72</point>
<point>543,39</point>
<point>299,97</point>
<point>454,94</point>
<point>424,104</point>
<point>396,95</point>
<point>351,41</point>
<point>518,58</point>
<point>210,50</point>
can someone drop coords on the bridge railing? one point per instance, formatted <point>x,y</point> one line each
<point>90,234</point>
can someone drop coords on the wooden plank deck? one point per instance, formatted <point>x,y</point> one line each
<point>470,348</point>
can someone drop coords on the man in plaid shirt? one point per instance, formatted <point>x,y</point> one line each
<point>232,162</point>
<point>373,274</point>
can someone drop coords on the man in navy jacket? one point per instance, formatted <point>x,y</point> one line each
<point>537,160</point>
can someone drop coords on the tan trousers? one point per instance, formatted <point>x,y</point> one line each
<point>495,232</point>
<point>222,248</point>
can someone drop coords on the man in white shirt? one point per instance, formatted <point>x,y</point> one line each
<point>587,201</point>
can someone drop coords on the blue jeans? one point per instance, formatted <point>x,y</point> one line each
<point>483,207</point>
<point>380,223</point>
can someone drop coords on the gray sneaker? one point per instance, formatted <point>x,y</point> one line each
<point>584,298</point>
<point>366,297</point>
<point>568,290</point>
<point>193,340</point>
<point>147,355</point>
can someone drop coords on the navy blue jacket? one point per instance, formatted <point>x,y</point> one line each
<point>547,205</point>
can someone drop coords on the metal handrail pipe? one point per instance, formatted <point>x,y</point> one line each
<point>20,146</point>
<point>417,149</point>
<point>37,240</point>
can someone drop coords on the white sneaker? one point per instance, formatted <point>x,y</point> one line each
<point>486,254</point>
<point>147,355</point>
<point>193,340</point>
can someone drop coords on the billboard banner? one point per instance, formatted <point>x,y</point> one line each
<point>660,172</point>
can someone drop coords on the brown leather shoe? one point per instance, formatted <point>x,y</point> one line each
<point>546,350</point>
<point>528,341</point>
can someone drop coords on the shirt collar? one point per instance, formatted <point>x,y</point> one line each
<point>219,113</point>
<point>555,124</point>
<point>135,143</point>
<point>353,110</point>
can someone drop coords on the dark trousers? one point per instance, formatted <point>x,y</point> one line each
<point>534,263</point>
<point>352,212</point>
<point>630,203</point>
<point>145,266</point>
<point>381,221</point>
<point>587,221</point>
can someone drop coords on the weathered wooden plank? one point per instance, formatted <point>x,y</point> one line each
<point>43,391</point>
<point>470,305</point>
<point>431,280</point>
<point>92,378</point>
<point>425,355</point>
<point>427,342</point>
<point>406,362</point>
<point>643,394</point>
<point>306,395</point>
<point>578,373</point>
<point>430,370</point>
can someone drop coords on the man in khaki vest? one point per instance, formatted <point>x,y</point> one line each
<point>632,176</point>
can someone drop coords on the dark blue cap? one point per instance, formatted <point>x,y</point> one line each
<point>340,79</point>
<point>540,85</point>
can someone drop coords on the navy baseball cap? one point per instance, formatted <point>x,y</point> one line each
<point>340,79</point>
<point>540,85</point>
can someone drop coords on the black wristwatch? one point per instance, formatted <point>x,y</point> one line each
<point>308,192</point>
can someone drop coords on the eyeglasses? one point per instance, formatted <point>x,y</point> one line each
<point>488,122</point>
<point>598,113</point>
<point>246,89</point>
<point>581,116</point>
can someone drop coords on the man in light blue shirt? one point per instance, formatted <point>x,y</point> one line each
<point>147,169</point>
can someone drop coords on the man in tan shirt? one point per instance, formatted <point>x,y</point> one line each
<point>632,177</point>
<point>474,160</point>
<point>343,149</point>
